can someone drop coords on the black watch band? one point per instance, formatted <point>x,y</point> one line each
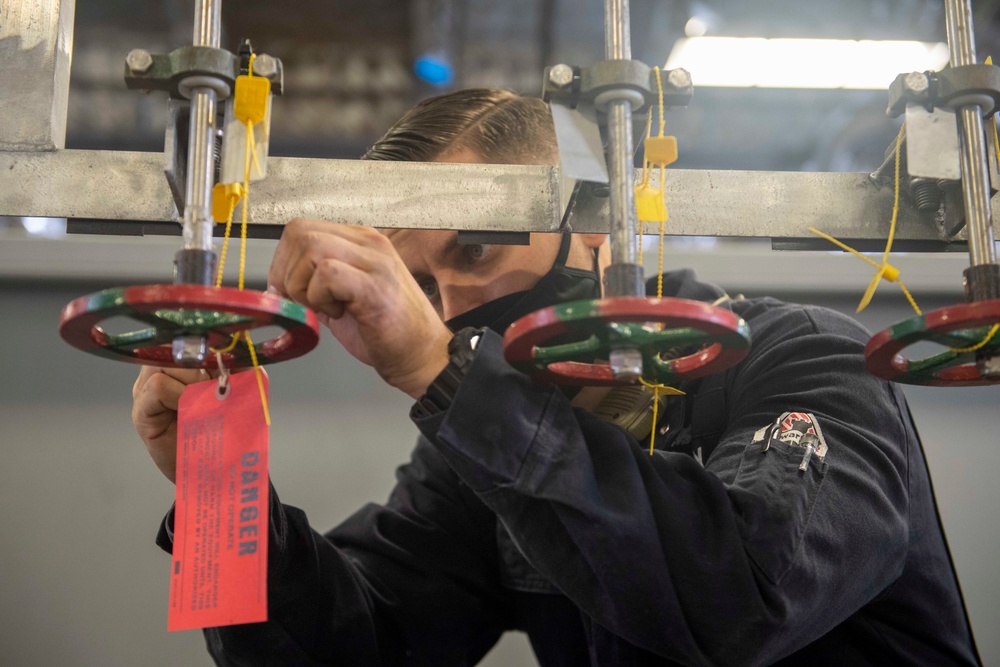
<point>441,392</point>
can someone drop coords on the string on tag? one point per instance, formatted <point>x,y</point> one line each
<point>249,107</point>
<point>223,387</point>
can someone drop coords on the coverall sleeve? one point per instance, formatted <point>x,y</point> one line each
<point>742,561</point>
<point>413,582</point>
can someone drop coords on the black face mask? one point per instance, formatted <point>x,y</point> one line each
<point>560,285</point>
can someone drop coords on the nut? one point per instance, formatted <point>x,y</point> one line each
<point>561,75</point>
<point>916,83</point>
<point>190,350</point>
<point>265,65</point>
<point>139,61</point>
<point>989,366</point>
<point>626,363</point>
<point>679,78</point>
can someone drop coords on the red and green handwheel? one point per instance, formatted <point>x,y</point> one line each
<point>564,344</point>
<point>169,311</point>
<point>957,328</point>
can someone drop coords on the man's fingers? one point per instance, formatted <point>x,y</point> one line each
<point>159,394</point>
<point>330,259</point>
<point>334,285</point>
<point>185,376</point>
<point>305,241</point>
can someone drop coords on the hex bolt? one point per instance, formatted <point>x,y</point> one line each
<point>679,78</point>
<point>138,61</point>
<point>626,363</point>
<point>265,65</point>
<point>561,75</point>
<point>916,83</point>
<point>988,366</point>
<point>190,350</point>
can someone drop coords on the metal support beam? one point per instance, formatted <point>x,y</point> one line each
<point>121,186</point>
<point>36,45</point>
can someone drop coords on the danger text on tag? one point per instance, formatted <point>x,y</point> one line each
<point>219,570</point>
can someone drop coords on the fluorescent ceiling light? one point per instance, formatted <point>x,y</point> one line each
<point>744,62</point>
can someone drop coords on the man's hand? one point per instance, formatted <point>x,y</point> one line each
<point>155,396</point>
<point>354,279</point>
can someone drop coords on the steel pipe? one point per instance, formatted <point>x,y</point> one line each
<point>207,23</point>
<point>624,276</point>
<point>617,35</point>
<point>195,261</point>
<point>618,46</point>
<point>198,221</point>
<point>975,169</point>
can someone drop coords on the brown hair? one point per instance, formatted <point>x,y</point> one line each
<point>500,126</point>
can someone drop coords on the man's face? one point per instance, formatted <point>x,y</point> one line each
<point>457,278</point>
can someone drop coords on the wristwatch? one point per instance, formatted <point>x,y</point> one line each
<point>441,392</point>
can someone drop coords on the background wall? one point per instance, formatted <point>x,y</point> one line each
<point>81,582</point>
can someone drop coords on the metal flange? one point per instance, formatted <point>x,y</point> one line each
<point>950,88</point>
<point>969,84</point>
<point>609,79</point>
<point>176,72</point>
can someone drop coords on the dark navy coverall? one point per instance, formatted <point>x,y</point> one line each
<point>520,512</point>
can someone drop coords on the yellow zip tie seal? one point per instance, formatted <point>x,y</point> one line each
<point>250,100</point>
<point>225,196</point>
<point>884,269</point>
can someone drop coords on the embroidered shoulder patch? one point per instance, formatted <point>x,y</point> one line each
<point>791,427</point>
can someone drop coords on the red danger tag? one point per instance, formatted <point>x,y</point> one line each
<point>219,570</point>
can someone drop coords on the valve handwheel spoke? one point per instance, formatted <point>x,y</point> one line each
<point>561,344</point>
<point>217,313</point>
<point>962,326</point>
<point>166,324</point>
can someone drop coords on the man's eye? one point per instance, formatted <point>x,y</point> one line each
<point>475,251</point>
<point>429,287</point>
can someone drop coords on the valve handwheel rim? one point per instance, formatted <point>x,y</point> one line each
<point>217,313</point>
<point>722,339</point>
<point>884,358</point>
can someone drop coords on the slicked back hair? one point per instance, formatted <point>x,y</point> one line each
<point>499,126</point>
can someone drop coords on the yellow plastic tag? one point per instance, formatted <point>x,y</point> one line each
<point>661,151</point>
<point>224,199</point>
<point>250,104</point>
<point>649,204</point>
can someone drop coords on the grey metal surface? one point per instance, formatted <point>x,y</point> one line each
<point>775,205</point>
<point>975,175</point>
<point>581,153</point>
<point>36,46</point>
<point>125,186</point>
<point>113,185</point>
<point>932,143</point>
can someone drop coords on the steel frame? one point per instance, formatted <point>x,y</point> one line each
<point>123,192</point>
